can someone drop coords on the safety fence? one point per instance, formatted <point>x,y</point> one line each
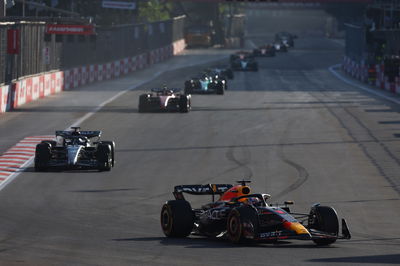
<point>31,88</point>
<point>41,52</point>
<point>384,75</point>
<point>47,64</point>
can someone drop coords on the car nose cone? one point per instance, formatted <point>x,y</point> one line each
<point>73,153</point>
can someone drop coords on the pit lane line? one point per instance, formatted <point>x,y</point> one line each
<point>362,87</point>
<point>10,174</point>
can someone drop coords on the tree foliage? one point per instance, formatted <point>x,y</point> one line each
<point>154,10</point>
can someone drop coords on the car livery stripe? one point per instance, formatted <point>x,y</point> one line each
<point>15,158</point>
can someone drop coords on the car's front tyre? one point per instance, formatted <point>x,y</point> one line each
<point>324,218</point>
<point>42,156</point>
<point>103,155</point>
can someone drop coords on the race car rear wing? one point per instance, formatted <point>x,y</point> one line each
<point>209,189</point>
<point>89,134</point>
<point>174,90</point>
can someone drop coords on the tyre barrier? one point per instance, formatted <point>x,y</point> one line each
<point>31,88</point>
<point>373,75</point>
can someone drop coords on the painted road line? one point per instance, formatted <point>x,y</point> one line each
<point>14,160</point>
<point>333,70</point>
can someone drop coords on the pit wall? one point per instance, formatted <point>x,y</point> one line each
<point>31,88</point>
<point>373,75</point>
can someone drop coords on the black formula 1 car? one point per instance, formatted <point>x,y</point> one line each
<point>75,149</point>
<point>206,83</point>
<point>222,72</point>
<point>164,100</point>
<point>244,62</point>
<point>240,55</point>
<point>240,216</point>
<point>285,38</point>
<point>280,47</point>
<point>265,50</point>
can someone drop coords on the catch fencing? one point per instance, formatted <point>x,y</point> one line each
<point>41,52</point>
<point>62,64</point>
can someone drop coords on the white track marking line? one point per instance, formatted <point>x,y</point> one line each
<point>28,162</point>
<point>364,88</point>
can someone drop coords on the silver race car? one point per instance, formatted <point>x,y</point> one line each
<point>75,149</point>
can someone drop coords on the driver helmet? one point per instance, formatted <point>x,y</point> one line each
<point>250,200</point>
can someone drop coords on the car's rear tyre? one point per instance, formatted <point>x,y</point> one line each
<point>325,219</point>
<point>42,156</point>
<point>142,108</point>
<point>184,103</point>
<point>177,218</point>
<point>112,145</point>
<point>188,87</point>
<point>103,155</point>
<point>242,222</point>
<point>219,87</point>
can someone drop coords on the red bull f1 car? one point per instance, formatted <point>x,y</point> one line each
<point>164,100</point>
<point>240,216</point>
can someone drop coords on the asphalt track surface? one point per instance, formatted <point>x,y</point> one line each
<point>293,128</point>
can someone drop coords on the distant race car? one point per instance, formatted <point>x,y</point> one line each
<point>164,100</point>
<point>206,83</point>
<point>244,62</point>
<point>75,149</point>
<point>280,47</point>
<point>240,54</point>
<point>286,38</point>
<point>264,50</point>
<point>221,71</point>
<point>239,215</point>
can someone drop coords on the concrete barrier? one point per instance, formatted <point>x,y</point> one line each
<point>360,71</point>
<point>29,89</point>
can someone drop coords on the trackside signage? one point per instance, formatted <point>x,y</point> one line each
<point>70,29</point>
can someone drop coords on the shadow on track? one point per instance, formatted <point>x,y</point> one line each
<point>188,148</point>
<point>378,259</point>
<point>202,242</point>
<point>62,170</point>
<point>103,190</point>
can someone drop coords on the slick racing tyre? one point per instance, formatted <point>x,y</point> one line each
<point>51,142</point>
<point>219,87</point>
<point>177,218</point>
<point>103,155</point>
<point>188,87</point>
<point>242,224</point>
<point>184,103</point>
<point>324,218</point>
<point>42,156</point>
<point>112,145</point>
<point>142,103</point>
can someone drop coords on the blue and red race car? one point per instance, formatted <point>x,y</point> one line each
<point>240,215</point>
